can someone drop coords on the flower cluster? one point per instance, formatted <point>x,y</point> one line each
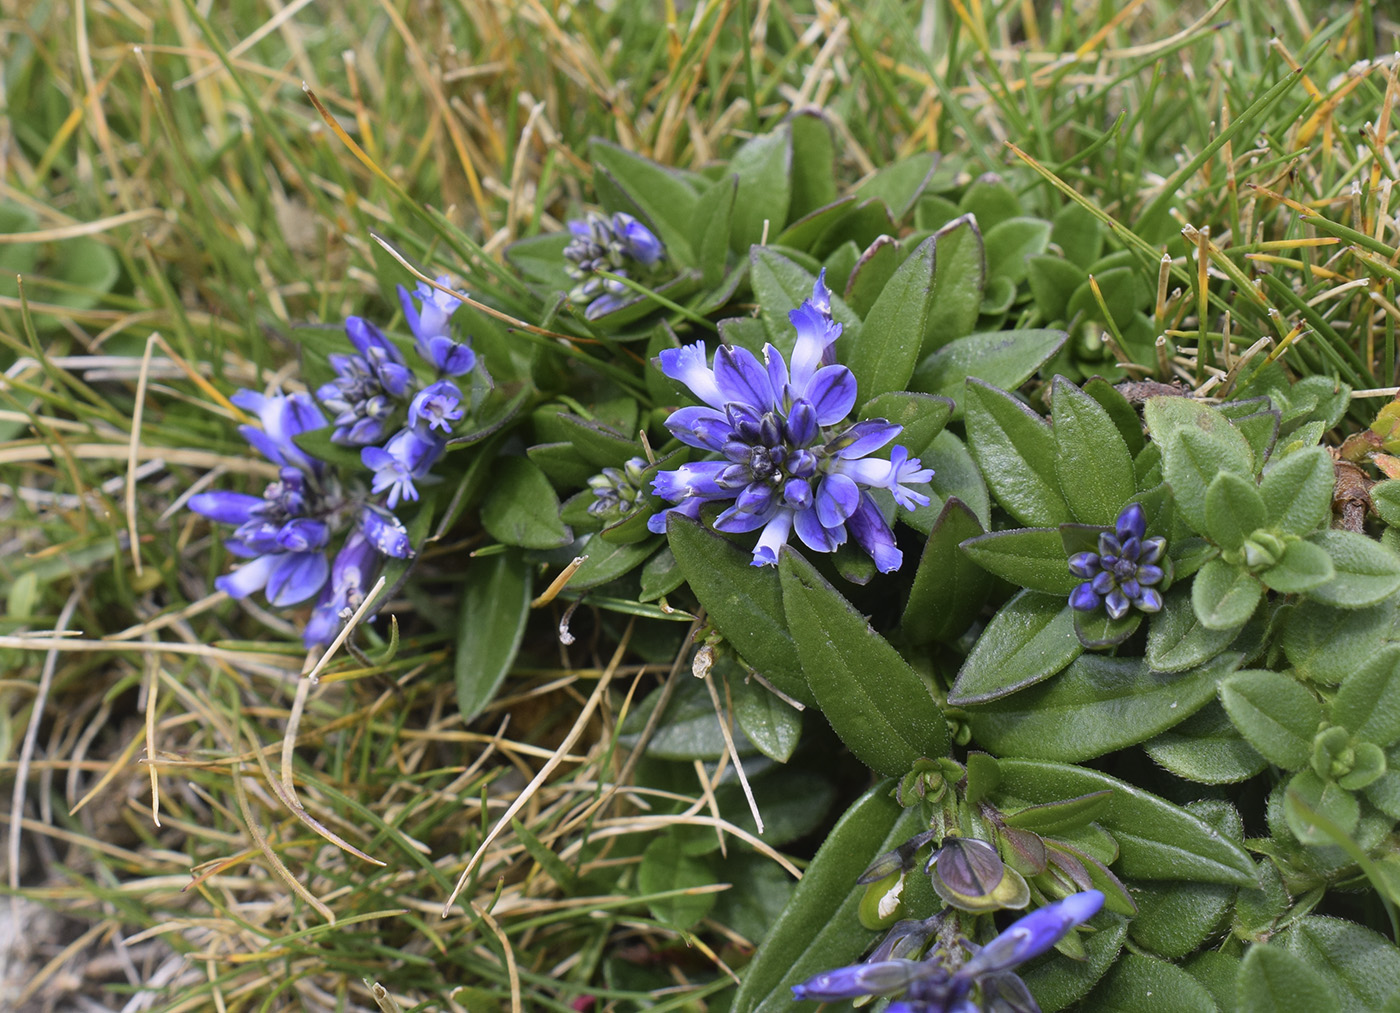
<point>790,460</point>
<point>286,534</point>
<point>620,245</point>
<point>1122,574</point>
<point>375,393</point>
<point>949,980</point>
<point>618,491</point>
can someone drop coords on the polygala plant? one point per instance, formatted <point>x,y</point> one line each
<point>919,573</point>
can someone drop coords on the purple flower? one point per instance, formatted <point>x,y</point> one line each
<point>430,320</point>
<point>620,245</point>
<point>436,406</point>
<point>945,982</point>
<point>396,465</point>
<point>285,534</point>
<point>1122,574</point>
<point>378,534</point>
<point>789,460</point>
<point>368,388</point>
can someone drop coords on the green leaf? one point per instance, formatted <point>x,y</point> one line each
<point>991,199</point>
<point>1029,639</point>
<point>949,588</point>
<point>1078,233</point>
<point>521,508</point>
<point>1297,491</point>
<point>899,184</point>
<point>1123,414</point>
<point>1174,919</point>
<point>1326,645</point>
<point>1010,243</point>
<point>1096,705</point>
<point>813,162</point>
<point>875,702</point>
<point>1260,430</point>
<point>1234,510</point>
<point>1098,630</point>
<point>661,575</point>
<point>665,866</point>
<point>1367,571</point>
<point>771,725</point>
<point>1360,968</point>
<point>1005,359</point>
<point>1368,704</point>
<point>1302,567</point>
<point>1139,984</point>
<point>714,217</point>
<point>743,602</point>
<point>495,610</point>
<point>665,200</point>
<point>1328,799</point>
<point>597,443</point>
<point>1385,499</point>
<point>1033,558</point>
<point>874,268</point>
<point>1053,818</point>
<point>1177,640</point>
<point>923,417</point>
<point>1275,713</point>
<point>955,474</point>
<point>819,930</point>
<point>1272,980</point>
<point>893,328</point>
<point>1206,748</point>
<point>1015,450</point>
<point>763,165</point>
<point>1224,596</point>
<point>1191,458</point>
<point>1052,281</point>
<point>1092,463</point>
<point>1156,839</point>
<point>1056,982</point>
<point>609,560</point>
<point>959,274</point>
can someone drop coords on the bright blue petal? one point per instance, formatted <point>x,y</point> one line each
<point>742,378</point>
<point>296,576</point>
<point>226,507</point>
<point>832,391</point>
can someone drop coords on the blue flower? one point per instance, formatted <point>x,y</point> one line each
<point>284,534</point>
<point>789,459</point>
<point>436,406</point>
<point>948,982</point>
<point>1122,573</point>
<point>430,320</point>
<point>368,387</point>
<point>399,463</point>
<point>620,245</point>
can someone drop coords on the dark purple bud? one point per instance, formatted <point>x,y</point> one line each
<point>1152,549</point>
<point>1116,604</point>
<point>1084,599</point>
<point>1084,564</point>
<point>1150,601</point>
<point>302,535</point>
<point>1131,523</point>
